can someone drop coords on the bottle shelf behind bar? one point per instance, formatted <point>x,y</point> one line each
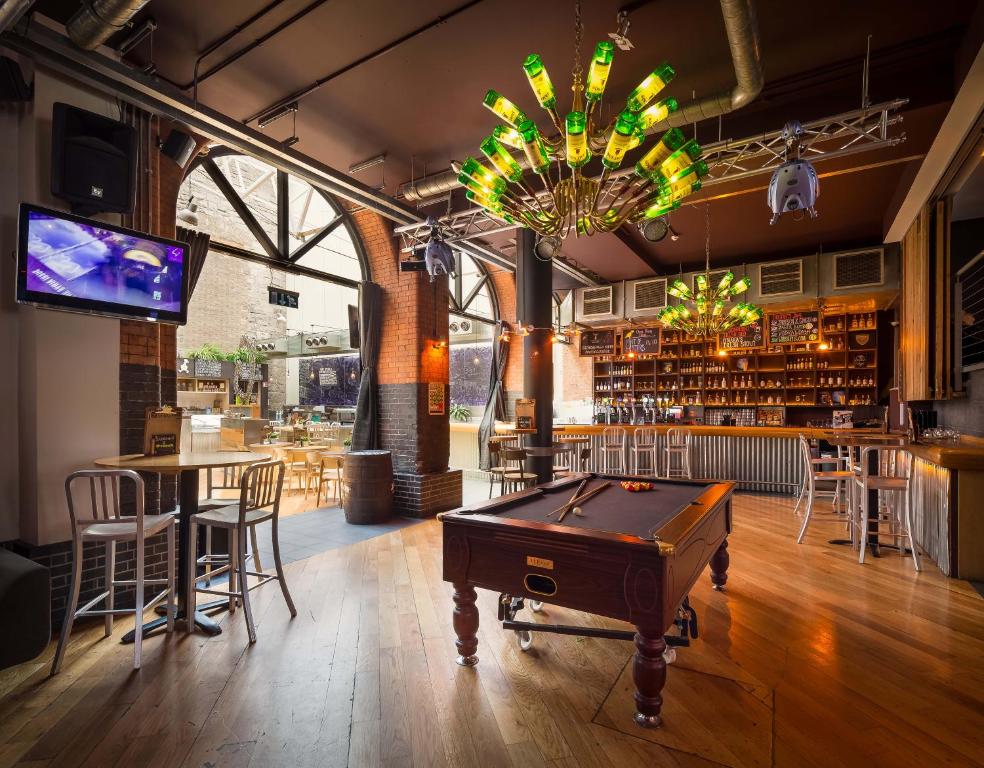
<point>688,371</point>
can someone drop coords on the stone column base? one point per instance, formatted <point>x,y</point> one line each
<point>424,496</point>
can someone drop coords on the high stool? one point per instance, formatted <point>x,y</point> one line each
<point>842,461</point>
<point>514,476</point>
<point>613,449</point>
<point>564,461</point>
<point>495,464</point>
<point>108,525</point>
<point>643,447</point>
<point>678,447</point>
<point>259,501</point>
<point>811,476</point>
<point>893,480</point>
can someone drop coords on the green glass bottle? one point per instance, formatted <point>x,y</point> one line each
<point>536,73</point>
<point>481,174</point>
<point>504,108</point>
<point>660,208</point>
<point>677,163</point>
<point>601,65</point>
<point>649,88</point>
<point>657,113</point>
<point>620,141</point>
<point>508,136</point>
<point>577,140</point>
<point>671,141</point>
<point>499,156</point>
<point>533,146</point>
<point>493,192</point>
<point>488,204</point>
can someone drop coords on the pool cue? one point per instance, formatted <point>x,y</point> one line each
<point>577,493</point>
<point>580,500</point>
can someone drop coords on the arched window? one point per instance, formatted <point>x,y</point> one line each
<point>269,229</point>
<point>473,311</point>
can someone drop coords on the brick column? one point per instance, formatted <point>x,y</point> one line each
<point>415,319</point>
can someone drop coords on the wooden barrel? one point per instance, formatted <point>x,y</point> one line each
<point>368,481</point>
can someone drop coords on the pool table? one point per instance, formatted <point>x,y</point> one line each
<point>631,556</point>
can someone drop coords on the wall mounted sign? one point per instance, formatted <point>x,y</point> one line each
<point>435,398</point>
<point>282,297</point>
<point>742,337</point>
<point>794,327</point>
<point>598,342</point>
<point>526,413</point>
<point>327,377</point>
<point>208,369</point>
<point>642,341</point>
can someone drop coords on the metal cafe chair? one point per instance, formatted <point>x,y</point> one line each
<point>678,447</point>
<point>812,476</point>
<point>892,482</point>
<point>613,449</point>
<point>219,479</point>
<point>643,447</point>
<point>842,461</point>
<point>108,525</point>
<point>259,500</point>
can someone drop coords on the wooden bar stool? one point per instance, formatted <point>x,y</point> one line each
<point>613,449</point>
<point>643,447</point>
<point>812,475</point>
<point>893,485</point>
<point>514,475</point>
<point>108,525</point>
<point>678,447</point>
<point>496,467</point>
<point>259,500</point>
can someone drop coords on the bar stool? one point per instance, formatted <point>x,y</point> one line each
<point>229,479</point>
<point>259,500</point>
<point>108,525</point>
<point>613,449</point>
<point>495,463</point>
<point>643,446</point>
<point>842,461</point>
<point>514,475</point>
<point>678,446</point>
<point>563,459</point>
<point>812,475</point>
<point>893,483</point>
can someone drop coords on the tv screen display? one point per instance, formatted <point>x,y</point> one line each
<point>72,263</point>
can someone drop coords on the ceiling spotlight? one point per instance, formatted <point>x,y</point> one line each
<point>674,235</point>
<point>795,185</point>
<point>654,230</point>
<point>547,247</point>
<point>189,214</point>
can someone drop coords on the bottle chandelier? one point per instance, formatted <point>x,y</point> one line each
<point>707,317</point>
<point>570,200</point>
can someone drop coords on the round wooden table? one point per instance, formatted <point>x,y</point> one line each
<point>186,466</point>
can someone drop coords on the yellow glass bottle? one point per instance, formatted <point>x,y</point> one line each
<point>650,87</point>
<point>543,89</point>
<point>677,163</point>
<point>577,140</point>
<point>504,108</point>
<point>650,163</point>
<point>620,141</point>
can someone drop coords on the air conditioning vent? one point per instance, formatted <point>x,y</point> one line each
<point>649,294</point>
<point>781,278</point>
<point>857,269</point>
<point>597,302</point>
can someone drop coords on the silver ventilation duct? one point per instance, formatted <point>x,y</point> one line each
<point>98,20</point>
<point>11,11</point>
<point>741,26</point>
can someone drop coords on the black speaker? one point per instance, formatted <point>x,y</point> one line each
<point>93,161</point>
<point>13,86</point>
<point>178,146</point>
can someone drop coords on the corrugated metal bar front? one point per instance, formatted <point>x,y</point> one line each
<point>930,489</point>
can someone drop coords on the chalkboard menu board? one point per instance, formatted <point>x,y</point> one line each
<point>794,327</point>
<point>208,369</point>
<point>742,337</point>
<point>598,342</point>
<point>642,341</point>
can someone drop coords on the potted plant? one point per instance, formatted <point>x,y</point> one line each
<point>459,412</point>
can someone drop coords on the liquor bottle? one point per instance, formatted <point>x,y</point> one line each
<point>536,152</point>
<point>656,113</point>
<point>536,73</point>
<point>508,136</point>
<point>500,157</point>
<point>577,140</point>
<point>504,108</point>
<point>675,166</point>
<point>650,87</point>
<point>598,70</point>
<point>620,140</point>
<point>670,142</point>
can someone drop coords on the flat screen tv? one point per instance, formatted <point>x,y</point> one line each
<point>72,263</point>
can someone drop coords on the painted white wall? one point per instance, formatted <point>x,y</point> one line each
<point>59,392</point>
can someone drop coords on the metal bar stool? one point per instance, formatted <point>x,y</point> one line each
<point>259,501</point>
<point>108,525</point>
<point>613,449</point>
<point>643,446</point>
<point>678,446</point>
<point>812,475</point>
<point>893,484</point>
<point>842,461</point>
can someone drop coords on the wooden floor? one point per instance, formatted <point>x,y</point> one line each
<point>808,659</point>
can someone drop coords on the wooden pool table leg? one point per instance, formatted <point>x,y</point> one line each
<point>719,566</point>
<point>649,674</point>
<point>465,624</point>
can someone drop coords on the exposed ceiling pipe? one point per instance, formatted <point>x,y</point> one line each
<point>741,26</point>
<point>11,12</point>
<point>97,21</point>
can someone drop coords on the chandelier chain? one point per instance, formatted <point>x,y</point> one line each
<point>707,238</point>
<point>578,70</point>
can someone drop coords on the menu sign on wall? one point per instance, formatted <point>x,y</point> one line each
<point>598,342</point>
<point>742,337</point>
<point>794,327</point>
<point>208,369</point>
<point>642,341</point>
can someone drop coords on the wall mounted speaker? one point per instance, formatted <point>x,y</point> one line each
<point>178,146</point>
<point>93,161</point>
<point>13,86</point>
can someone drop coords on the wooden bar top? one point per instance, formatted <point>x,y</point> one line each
<point>965,454</point>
